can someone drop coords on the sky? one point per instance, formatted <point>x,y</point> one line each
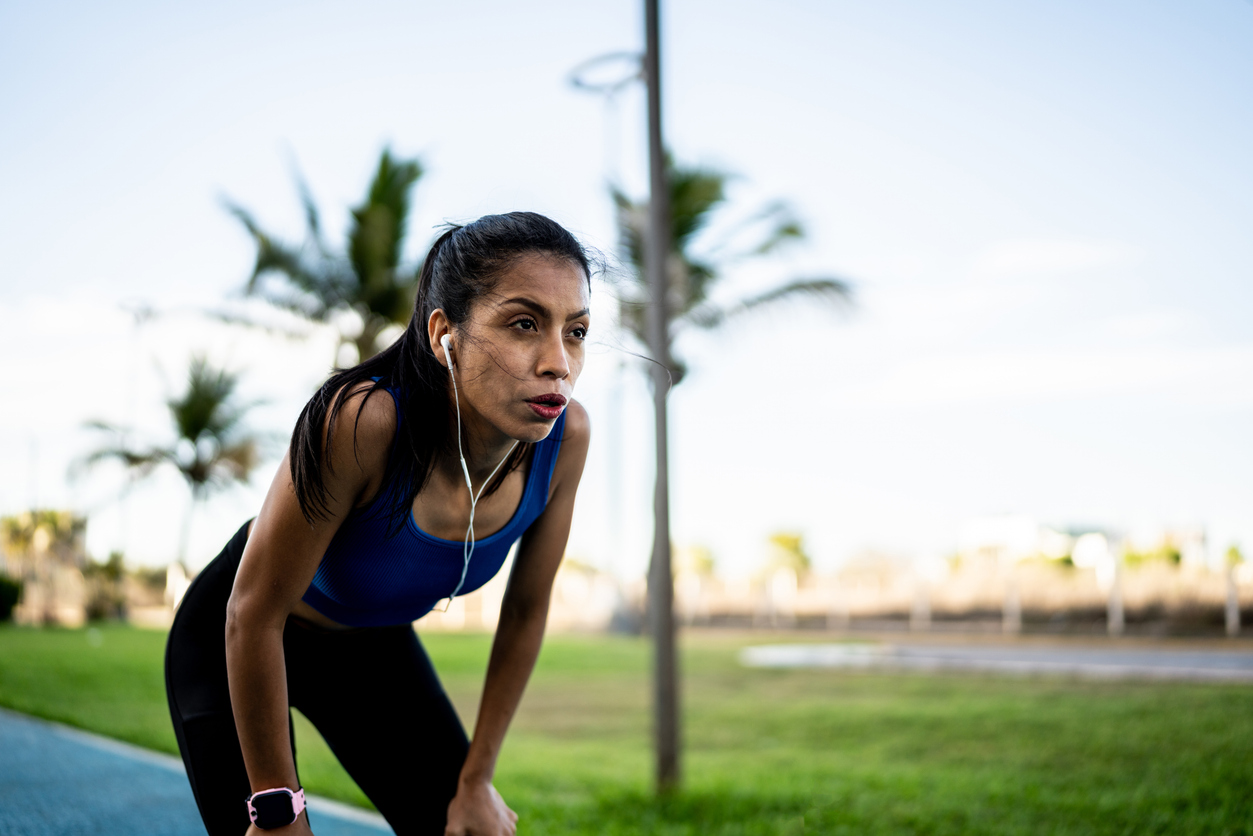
<point>1044,209</point>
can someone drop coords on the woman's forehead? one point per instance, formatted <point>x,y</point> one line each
<point>555,283</point>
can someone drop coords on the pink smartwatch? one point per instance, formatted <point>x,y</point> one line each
<point>279,807</point>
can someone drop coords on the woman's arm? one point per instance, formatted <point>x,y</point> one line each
<point>477,809</point>
<point>278,564</point>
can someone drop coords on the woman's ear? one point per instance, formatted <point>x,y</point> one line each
<point>438,327</point>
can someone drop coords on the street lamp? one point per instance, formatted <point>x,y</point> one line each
<point>597,75</point>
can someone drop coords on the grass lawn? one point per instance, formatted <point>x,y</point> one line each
<point>767,751</point>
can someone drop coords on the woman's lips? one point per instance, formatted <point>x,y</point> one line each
<point>547,407</point>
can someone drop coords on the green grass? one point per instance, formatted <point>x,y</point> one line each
<point>112,685</point>
<point>767,752</point>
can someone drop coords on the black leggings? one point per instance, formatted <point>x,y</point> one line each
<point>371,692</point>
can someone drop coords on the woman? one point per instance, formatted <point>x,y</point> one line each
<point>408,478</point>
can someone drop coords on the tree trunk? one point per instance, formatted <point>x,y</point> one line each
<point>1117,621</point>
<point>184,538</point>
<point>1233,603</point>
<point>367,340</point>
<point>660,578</point>
<point>1011,611</point>
<point>920,612</point>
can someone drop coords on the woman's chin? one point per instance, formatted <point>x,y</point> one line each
<point>531,431</point>
<point>534,433</point>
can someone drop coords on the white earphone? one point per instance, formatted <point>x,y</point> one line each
<point>468,548</point>
<point>446,342</point>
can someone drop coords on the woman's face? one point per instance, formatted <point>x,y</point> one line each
<point>520,351</point>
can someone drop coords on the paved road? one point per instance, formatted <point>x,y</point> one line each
<point>58,781</point>
<point>1099,663</point>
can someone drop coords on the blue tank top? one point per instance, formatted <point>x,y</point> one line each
<point>370,579</point>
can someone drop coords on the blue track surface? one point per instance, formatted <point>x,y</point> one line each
<point>57,781</point>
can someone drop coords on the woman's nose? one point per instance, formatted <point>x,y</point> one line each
<point>553,361</point>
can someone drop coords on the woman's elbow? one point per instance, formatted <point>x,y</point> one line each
<point>236,622</point>
<point>525,609</point>
<point>245,618</point>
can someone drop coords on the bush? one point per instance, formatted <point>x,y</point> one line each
<point>106,597</point>
<point>10,593</point>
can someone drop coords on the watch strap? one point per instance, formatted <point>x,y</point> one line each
<point>296,797</point>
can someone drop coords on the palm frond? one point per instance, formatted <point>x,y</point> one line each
<point>376,234</point>
<point>213,449</point>
<point>322,284</point>
<point>695,194</point>
<point>237,460</point>
<point>696,197</point>
<point>631,314</point>
<point>272,255</point>
<point>207,407</point>
<point>313,281</point>
<point>139,463</point>
<point>781,226</point>
<point>235,318</point>
<point>293,300</point>
<point>701,275</point>
<point>632,222</point>
<point>103,426</point>
<point>313,219</point>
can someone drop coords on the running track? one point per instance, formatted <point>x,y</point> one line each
<point>58,781</point>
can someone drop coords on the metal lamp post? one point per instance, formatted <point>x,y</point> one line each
<point>660,578</point>
<point>656,259</point>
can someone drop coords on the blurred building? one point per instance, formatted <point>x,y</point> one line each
<point>584,599</point>
<point>44,550</point>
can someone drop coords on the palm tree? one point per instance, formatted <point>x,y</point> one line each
<point>696,196</point>
<point>212,448</point>
<point>317,282</point>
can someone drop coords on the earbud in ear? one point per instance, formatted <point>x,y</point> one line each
<point>446,342</point>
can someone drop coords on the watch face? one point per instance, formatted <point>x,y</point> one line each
<point>274,809</point>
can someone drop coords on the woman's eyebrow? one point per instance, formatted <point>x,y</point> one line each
<point>529,303</point>
<point>540,309</point>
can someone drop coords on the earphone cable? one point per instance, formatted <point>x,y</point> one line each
<point>467,548</point>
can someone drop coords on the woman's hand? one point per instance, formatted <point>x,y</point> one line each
<point>300,827</point>
<point>478,810</point>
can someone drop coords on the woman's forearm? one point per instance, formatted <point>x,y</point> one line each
<point>257,677</point>
<point>519,635</point>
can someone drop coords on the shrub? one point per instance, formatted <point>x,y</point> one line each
<point>10,593</point>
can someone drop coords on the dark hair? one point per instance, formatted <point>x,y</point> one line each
<point>463,264</point>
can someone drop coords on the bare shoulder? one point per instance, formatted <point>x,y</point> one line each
<point>578,425</point>
<point>364,429</point>
<point>574,443</point>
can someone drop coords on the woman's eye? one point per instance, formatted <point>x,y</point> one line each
<point>579,333</point>
<point>526,325</point>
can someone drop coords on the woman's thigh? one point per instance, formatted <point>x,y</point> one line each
<point>377,701</point>
<point>199,698</point>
